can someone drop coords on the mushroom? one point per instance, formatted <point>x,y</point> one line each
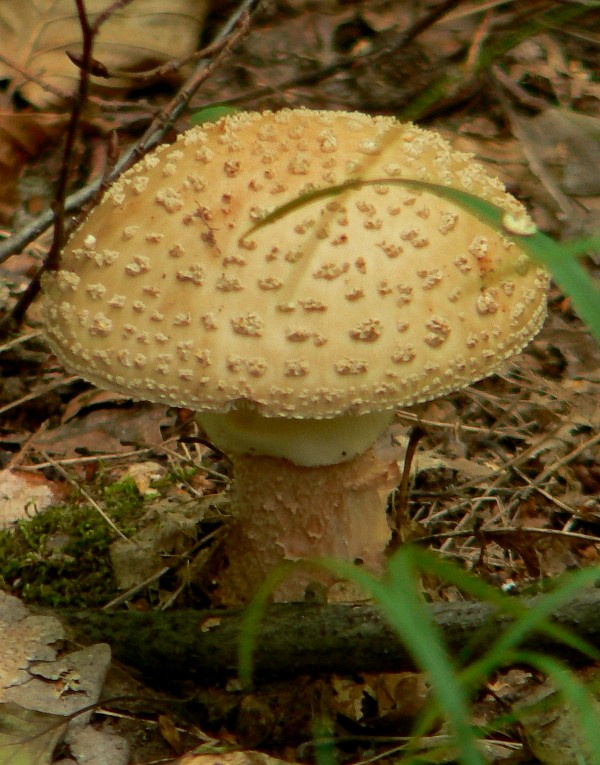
<point>294,341</point>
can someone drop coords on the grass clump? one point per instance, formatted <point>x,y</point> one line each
<point>60,557</point>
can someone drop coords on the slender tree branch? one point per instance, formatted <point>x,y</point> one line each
<point>88,33</point>
<point>234,28</point>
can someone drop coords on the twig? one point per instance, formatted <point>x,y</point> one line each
<point>19,340</point>
<point>551,469</point>
<point>170,66</point>
<point>234,28</point>
<point>37,393</point>
<point>128,594</point>
<point>31,77</point>
<point>88,497</point>
<point>567,208</point>
<point>517,92</point>
<point>88,33</point>
<point>403,493</point>
<point>479,38</point>
<point>494,534</point>
<point>95,458</point>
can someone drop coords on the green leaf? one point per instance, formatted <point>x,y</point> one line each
<point>211,114</point>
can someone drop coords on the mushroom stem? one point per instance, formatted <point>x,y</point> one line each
<point>285,512</point>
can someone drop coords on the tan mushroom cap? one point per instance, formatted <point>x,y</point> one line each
<point>378,297</point>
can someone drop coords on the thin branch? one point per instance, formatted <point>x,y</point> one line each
<point>88,33</point>
<point>170,66</point>
<point>234,28</point>
<point>31,77</point>
<point>237,27</point>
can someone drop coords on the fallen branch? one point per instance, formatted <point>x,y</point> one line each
<point>298,639</point>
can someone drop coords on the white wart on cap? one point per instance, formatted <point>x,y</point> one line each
<point>375,298</point>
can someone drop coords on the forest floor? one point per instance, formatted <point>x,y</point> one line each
<point>506,478</point>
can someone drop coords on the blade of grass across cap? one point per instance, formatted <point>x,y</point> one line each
<point>559,258</point>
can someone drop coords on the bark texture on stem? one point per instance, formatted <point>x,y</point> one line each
<point>285,512</point>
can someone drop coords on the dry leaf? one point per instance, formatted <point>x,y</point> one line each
<point>95,745</point>
<point>22,495</point>
<point>231,758</point>
<point>108,430</point>
<point>551,726</point>
<point>24,638</point>
<point>46,696</point>
<point>37,35</point>
<point>171,531</point>
<point>169,732</point>
<point>22,136</point>
<point>571,141</point>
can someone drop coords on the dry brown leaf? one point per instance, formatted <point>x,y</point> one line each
<point>170,533</point>
<point>551,726</point>
<point>230,758</point>
<point>570,143</point>
<point>107,431</point>
<point>22,495</point>
<point>36,34</point>
<point>22,136</point>
<point>46,695</point>
<point>28,737</point>
<point>24,638</point>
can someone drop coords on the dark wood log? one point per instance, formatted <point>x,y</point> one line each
<point>299,639</point>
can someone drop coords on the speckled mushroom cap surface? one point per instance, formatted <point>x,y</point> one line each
<point>380,296</point>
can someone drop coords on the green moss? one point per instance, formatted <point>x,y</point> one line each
<point>123,503</point>
<point>60,557</point>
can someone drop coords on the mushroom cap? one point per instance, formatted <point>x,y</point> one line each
<point>377,297</point>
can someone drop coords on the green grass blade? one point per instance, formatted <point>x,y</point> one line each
<point>400,603</point>
<point>211,114</point>
<point>532,619</point>
<point>448,571</point>
<point>250,627</point>
<point>398,598</point>
<point>558,258</point>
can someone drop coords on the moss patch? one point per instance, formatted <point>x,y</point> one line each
<point>60,558</point>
